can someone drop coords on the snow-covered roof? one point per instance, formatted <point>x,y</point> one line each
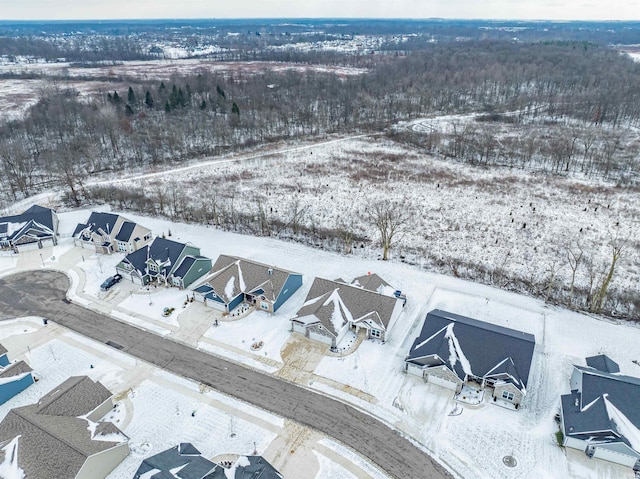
<point>55,443</point>
<point>334,304</point>
<point>474,348</point>
<point>232,276</point>
<point>605,403</point>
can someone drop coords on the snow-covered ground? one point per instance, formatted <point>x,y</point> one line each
<point>472,443</point>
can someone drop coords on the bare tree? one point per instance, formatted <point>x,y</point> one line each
<point>390,221</point>
<point>617,245</point>
<point>574,254</point>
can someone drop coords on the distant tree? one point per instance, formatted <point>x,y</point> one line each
<point>162,88</point>
<point>128,110</point>
<point>131,97</point>
<point>116,98</point>
<point>220,92</point>
<point>234,109</point>
<point>148,100</point>
<point>167,106</point>
<point>203,105</point>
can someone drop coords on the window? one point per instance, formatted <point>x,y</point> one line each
<point>147,236</point>
<point>375,333</point>
<point>122,247</point>
<point>264,306</point>
<point>507,395</point>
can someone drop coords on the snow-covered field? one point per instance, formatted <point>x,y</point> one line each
<point>472,443</point>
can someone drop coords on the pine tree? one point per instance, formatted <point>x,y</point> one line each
<point>235,109</point>
<point>131,97</point>
<point>167,107</point>
<point>220,92</point>
<point>148,100</point>
<point>128,110</point>
<point>162,88</point>
<point>116,98</point>
<point>203,105</point>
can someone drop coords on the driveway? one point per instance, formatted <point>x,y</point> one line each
<point>43,293</point>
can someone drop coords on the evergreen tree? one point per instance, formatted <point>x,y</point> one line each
<point>203,105</point>
<point>128,110</point>
<point>116,98</point>
<point>109,97</point>
<point>167,107</point>
<point>235,109</point>
<point>162,88</point>
<point>148,100</point>
<point>220,92</point>
<point>131,97</point>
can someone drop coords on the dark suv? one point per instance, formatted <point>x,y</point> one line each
<point>110,281</point>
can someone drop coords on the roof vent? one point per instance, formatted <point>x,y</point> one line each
<point>577,402</point>
<point>270,271</point>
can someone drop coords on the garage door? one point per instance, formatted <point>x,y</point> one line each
<point>27,246</point>
<point>215,305</point>
<point>136,279</point>
<point>319,337</point>
<point>442,382</point>
<point>299,328</point>
<point>47,242</point>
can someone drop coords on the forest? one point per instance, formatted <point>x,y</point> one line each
<point>564,107</point>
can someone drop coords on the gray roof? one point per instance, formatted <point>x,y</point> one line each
<point>257,468</point>
<point>38,214</point>
<point>247,277</point>
<point>76,396</point>
<point>372,282</point>
<point>97,220</point>
<point>326,297</point>
<point>14,369</point>
<point>492,351</point>
<point>126,230</point>
<point>585,411</point>
<point>603,363</point>
<point>51,446</point>
<point>185,455</point>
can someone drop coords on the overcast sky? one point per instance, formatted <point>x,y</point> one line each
<point>495,9</point>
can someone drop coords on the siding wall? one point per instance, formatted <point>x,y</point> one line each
<point>11,389</point>
<point>517,394</point>
<point>293,283</point>
<point>100,465</point>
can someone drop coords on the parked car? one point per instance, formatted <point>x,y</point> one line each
<point>110,282</point>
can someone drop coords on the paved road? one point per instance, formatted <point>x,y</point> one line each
<point>42,293</point>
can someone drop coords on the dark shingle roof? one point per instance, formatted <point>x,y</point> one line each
<point>185,264</point>
<point>52,446</point>
<point>126,230</point>
<point>194,466</point>
<point>326,297</point>
<point>98,220</point>
<point>372,282</point>
<point>247,277</point>
<point>39,214</point>
<point>160,251</point>
<point>14,369</point>
<point>487,347</point>
<point>603,363</point>
<point>77,396</point>
<point>596,418</point>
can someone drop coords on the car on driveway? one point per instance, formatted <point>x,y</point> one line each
<point>110,282</point>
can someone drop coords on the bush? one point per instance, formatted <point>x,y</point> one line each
<point>560,437</point>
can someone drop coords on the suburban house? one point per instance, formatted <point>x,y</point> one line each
<point>36,228</point>
<point>236,280</point>
<point>601,414</point>
<point>14,377</point>
<point>62,437</point>
<point>165,261</point>
<point>332,308</point>
<point>452,350</point>
<point>184,461</point>
<point>108,233</point>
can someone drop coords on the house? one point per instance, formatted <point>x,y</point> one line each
<point>332,308</point>
<point>452,350</point>
<point>236,280</point>
<point>14,377</point>
<point>62,437</point>
<point>109,232</point>
<point>601,414</point>
<point>36,228</point>
<point>184,461</point>
<point>165,261</point>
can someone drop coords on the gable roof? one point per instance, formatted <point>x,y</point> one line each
<point>52,445</point>
<point>184,267</point>
<point>126,230</point>
<point>183,456</point>
<point>38,214</point>
<point>606,403</point>
<point>471,347</point>
<point>162,251</point>
<point>232,276</point>
<point>603,363</point>
<point>97,221</point>
<point>372,282</point>
<point>334,304</point>
<point>76,396</point>
<point>247,467</point>
<point>14,369</point>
